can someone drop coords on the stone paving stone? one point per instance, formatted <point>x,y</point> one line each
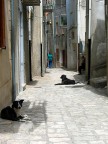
<point>23,136</point>
<point>38,131</point>
<point>54,140</point>
<point>57,135</point>
<point>59,114</point>
<point>85,138</point>
<point>103,137</point>
<point>81,142</point>
<point>97,142</point>
<point>17,142</point>
<point>38,142</point>
<point>56,126</point>
<point>102,132</point>
<point>5,136</point>
<point>64,143</point>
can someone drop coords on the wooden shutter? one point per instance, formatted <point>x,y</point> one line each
<point>2,24</point>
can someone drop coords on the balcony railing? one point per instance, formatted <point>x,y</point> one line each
<point>31,2</point>
<point>49,7</point>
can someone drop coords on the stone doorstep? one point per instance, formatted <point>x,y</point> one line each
<point>24,86</point>
<point>99,82</point>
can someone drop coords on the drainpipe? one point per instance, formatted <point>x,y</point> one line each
<point>41,60</point>
<point>29,23</point>
<point>106,14</point>
<point>46,39</point>
<point>106,25</point>
<point>89,20</point>
<point>13,51</point>
<point>89,44</point>
<point>41,45</point>
<point>88,38</point>
<point>78,24</point>
<point>54,35</point>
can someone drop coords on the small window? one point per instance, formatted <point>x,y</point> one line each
<point>73,35</point>
<point>2,25</point>
<point>63,20</point>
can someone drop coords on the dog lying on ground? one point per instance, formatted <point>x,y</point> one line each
<point>12,113</point>
<point>66,81</point>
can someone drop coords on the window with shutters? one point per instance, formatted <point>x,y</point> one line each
<point>2,25</point>
<point>63,20</point>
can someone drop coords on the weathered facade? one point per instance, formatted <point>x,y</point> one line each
<point>15,70</point>
<point>81,21</point>
<point>96,43</point>
<point>6,61</point>
<point>60,33</point>
<point>72,34</point>
<point>98,36</point>
<point>49,29</point>
<point>18,43</point>
<point>106,24</point>
<point>38,51</point>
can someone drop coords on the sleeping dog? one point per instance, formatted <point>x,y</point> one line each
<point>66,81</point>
<point>12,113</point>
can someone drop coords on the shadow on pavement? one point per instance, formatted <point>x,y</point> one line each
<point>36,111</point>
<point>75,86</point>
<point>32,83</point>
<point>67,69</point>
<point>79,78</point>
<point>47,72</point>
<point>99,91</point>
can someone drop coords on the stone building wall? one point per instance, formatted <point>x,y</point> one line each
<point>26,45</point>
<point>5,63</point>
<point>36,41</point>
<point>98,40</point>
<point>72,36</point>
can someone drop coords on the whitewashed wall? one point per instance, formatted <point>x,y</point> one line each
<point>98,37</point>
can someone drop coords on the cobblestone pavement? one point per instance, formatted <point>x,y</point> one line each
<point>59,114</point>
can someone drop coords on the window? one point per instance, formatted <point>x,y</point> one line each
<point>63,20</point>
<point>73,35</point>
<point>2,25</point>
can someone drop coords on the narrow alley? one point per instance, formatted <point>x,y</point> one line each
<point>59,114</point>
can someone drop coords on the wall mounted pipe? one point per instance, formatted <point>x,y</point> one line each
<point>13,52</point>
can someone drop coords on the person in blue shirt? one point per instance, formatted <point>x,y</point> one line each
<point>50,59</point>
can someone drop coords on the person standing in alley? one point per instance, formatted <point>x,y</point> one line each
<point>50,59</point>
<point>82,66</point>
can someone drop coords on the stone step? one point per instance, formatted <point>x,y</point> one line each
<point>99,82</point>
